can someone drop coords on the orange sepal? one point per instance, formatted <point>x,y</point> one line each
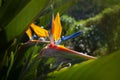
<point>29,33</point>
<point>56,27</point>
<point>39,31</point>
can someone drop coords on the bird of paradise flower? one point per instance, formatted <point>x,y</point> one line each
<point>54,49</point>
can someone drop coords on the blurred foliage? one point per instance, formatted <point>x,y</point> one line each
<point>90,41</point>
<point>108,23</point>
<point>84,9</point>
<point>59,6</point>
<point>101,33</point>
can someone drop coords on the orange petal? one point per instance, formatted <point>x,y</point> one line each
<point>56,28</point>
<point>29,33</point>
<point>39,31</point>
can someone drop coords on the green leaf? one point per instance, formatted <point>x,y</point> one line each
<point>104,68</point>
<point>15,17</point>
<point>10,9</point>
<point>0,3</point>
<point>24,18</point>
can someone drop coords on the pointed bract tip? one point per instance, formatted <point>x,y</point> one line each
<point>56,27</point>
<point>29,33</point>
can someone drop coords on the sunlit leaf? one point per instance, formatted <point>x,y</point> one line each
<point>105,68</point>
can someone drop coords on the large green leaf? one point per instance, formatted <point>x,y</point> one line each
<point>0,3</point>
<point>105,68</point>
<point>9,9</point>
<point>22,16</point>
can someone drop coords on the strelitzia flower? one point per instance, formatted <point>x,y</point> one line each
<point>54,49</point>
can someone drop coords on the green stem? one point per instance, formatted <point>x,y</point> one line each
<point>26,66</point>
<point>11,64</point>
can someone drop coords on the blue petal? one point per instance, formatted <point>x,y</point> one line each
<point>35,37</point>
<point>71,36</point>
<point>68,37</point>
<point>58,42</point>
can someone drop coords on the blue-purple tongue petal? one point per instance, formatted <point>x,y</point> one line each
<point>68,37</point>
<point>71,36</point>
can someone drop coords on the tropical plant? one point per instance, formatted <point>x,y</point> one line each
<point>30,40</point>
